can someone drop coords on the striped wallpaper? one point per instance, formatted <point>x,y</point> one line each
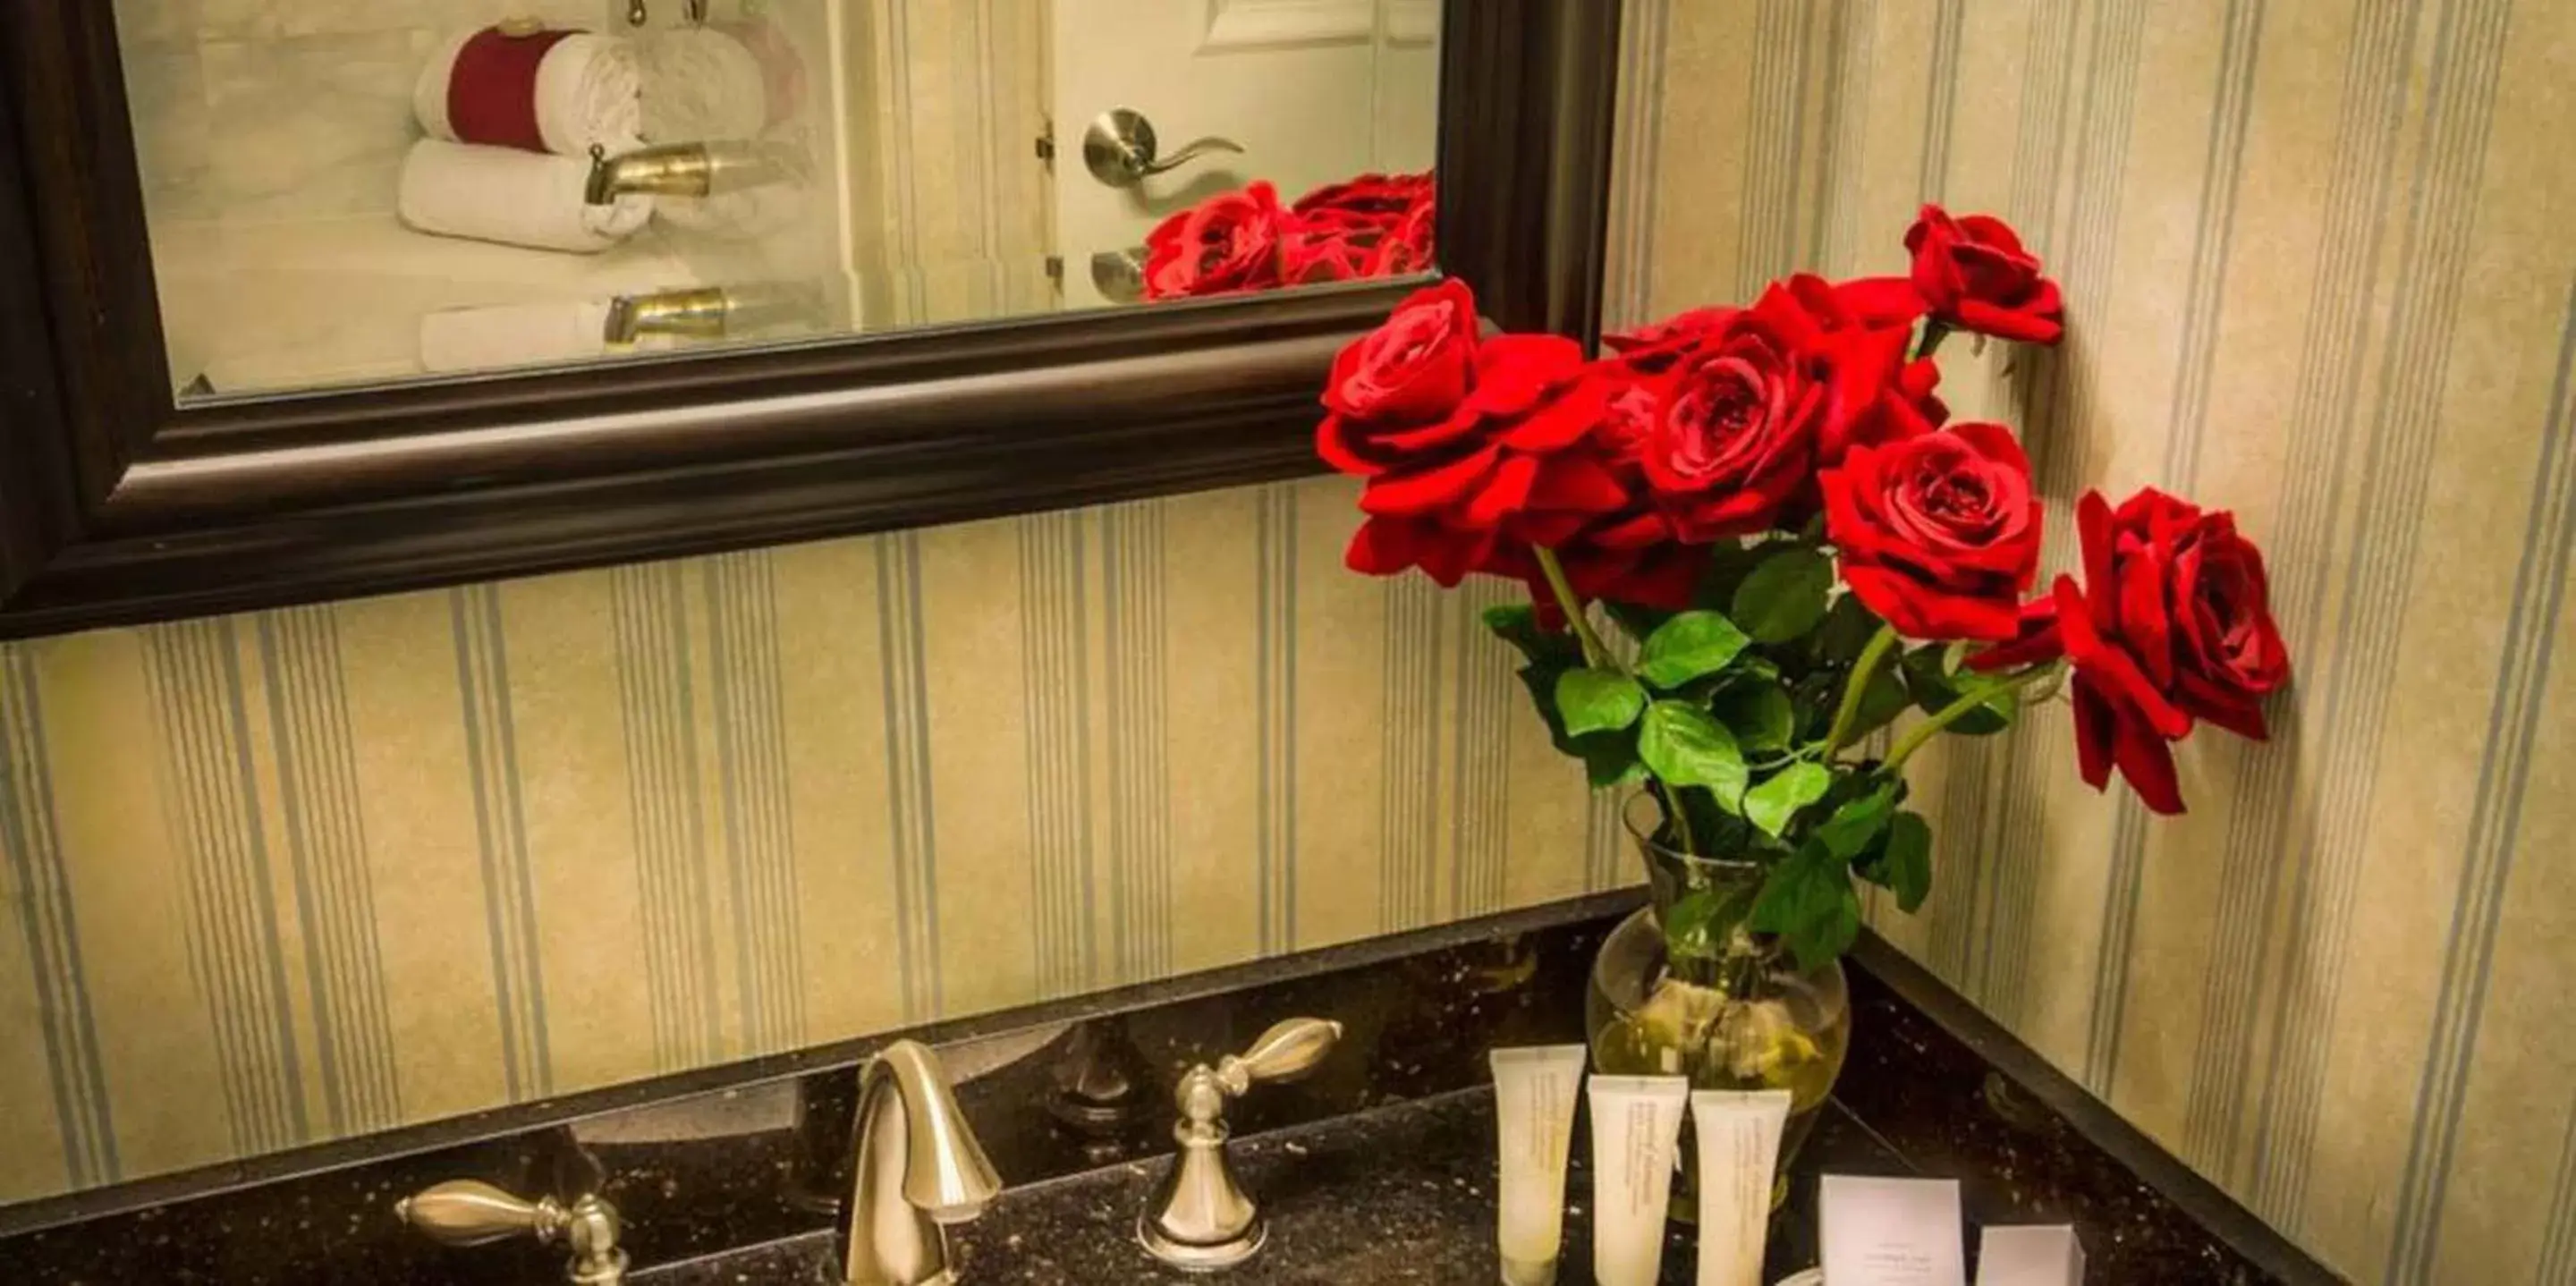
<point>294,875</point>
<point>302,874</point>
<point>2320,258</point>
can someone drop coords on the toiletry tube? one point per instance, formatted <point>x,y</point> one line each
<point>1636,1122</point>
<point>511,197</point>
<point>1739,1144</point>
<point>1534,1092</point>
<point>563,92</point>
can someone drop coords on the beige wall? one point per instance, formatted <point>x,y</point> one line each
<point>295,875</point>
<point>291,875</point>
<point>2319,260</point>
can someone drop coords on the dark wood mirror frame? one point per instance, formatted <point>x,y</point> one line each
<point>117,506</point>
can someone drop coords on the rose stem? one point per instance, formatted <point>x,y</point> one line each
<point>1863,670</point>
<point>1671,798</point>
<point>1934,331</point>
<point>1594,654</point>
<point>1955,711</point>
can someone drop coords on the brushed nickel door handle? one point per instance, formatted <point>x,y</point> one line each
<point>1120,149</point>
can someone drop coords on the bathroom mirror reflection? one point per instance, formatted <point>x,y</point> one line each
<point>343,193</point>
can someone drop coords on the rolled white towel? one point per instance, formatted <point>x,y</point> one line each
<point>548,91</point>
<point>457,340</point>
<point>702,85</point>
<point>515,198</point>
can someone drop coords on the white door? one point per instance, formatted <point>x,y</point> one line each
<point>1315,91</point>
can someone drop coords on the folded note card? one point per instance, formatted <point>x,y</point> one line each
<point>2044,1255</point>
<point>1892,1232</point>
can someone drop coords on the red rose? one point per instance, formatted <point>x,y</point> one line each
<point>1227,243</point>
<point>1453,448</point>
<point>1857,333</point>
<point>1308,256</point>
<point>1481,461</point>
<point>1563,492</point>
<point>2173,623</point>
<point>1591,505</point>
<point>1974,274</point>
<point>1732,444</point>
<point>1860,303</point>
<point>1413,370</point>
<point>1652,349</point>
<point>1368,198</point>
<point>1938,534</point>
<point>1408,244</point>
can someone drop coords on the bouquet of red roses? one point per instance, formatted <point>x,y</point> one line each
<point>1376,225</point>
<point>1753,538</point>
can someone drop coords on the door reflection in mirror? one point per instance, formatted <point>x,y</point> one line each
<point>347,194</point>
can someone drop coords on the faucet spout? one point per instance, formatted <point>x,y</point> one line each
<point>919,1169</point>
<point>689,169</point>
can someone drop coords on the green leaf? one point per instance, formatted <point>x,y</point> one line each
<point>1856,823</point>
<point>1689,646</point>
<point>1902,861</point>
<point>1640,622</point>
<point>1773,803</point>
<point>1591,700</point>
<point>1609,758</point>
<point>1880,703</point>
<point>1758,713</point>
<point>1729,562</point>
<point>1702,920</point>
<point>1936,685</point>
<point>1808,901</point>
<point>1848,628</point>
<point>1685,747</point>
<point>1785,596</point>
<point>1517,624</point>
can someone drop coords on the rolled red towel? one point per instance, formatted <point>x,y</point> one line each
<point>541,91</point>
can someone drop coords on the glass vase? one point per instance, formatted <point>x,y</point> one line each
<point>1685,988</point>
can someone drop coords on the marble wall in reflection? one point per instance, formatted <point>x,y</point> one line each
<point>284,110</point>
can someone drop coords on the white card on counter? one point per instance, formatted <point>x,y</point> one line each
<point>1892,1232</point>
<point>2040,1255</point>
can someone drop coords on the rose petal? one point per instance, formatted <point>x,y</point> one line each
<point>1505,492</point>
<point>1562,420</point>
<point>1429,489</point>
<point>2113,668</point>
<point>2094,729</point>
<point>1339,441</point>
<point>2028,324</point>
<point>1573,480</point>
<point>2147,761</point>
<point>2035,639</point>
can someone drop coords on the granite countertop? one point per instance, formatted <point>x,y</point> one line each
<point>1378,1168</point>
<point>1398,1194</point>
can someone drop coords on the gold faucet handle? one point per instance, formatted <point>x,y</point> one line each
<point>1285,1052</point>
<point>468,1212</point>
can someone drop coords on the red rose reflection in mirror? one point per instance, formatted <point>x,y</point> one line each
<point>1374,225</point>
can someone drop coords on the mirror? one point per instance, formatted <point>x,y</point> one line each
<point>345,193</point>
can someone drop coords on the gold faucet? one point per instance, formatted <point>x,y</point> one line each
<point>918,1170</point>
<point>711,312</point>
<point>688,169</point>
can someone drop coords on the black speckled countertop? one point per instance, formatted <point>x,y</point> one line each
<point>1377,1169</point>
<point>1398,1194</point>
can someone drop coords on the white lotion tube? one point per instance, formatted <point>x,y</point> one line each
<point>1739,1144</point>
<point>1636,1122</point>
<point>1534,1092</point>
